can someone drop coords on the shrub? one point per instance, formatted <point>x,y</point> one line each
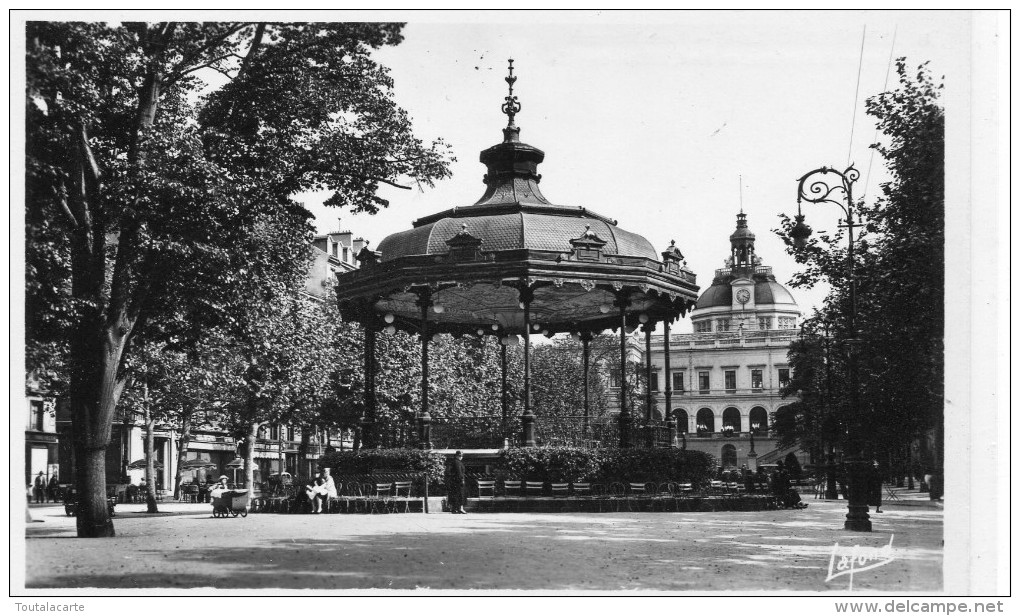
<point>550,463</point>
<point>657,465</point>
<point>364,461</point>
<point>570,464</point>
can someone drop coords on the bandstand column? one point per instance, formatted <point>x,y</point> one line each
<point>668,376</point>
<point>585,364</point>
<point>528,418</point>
<point>369,438</point>
<point>425,435</point>
<point>648,384</point>
<point>503,388</point>
<point>625,419</point>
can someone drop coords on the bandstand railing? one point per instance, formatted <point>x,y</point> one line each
<point>490,432</point>
<point>484,432</point>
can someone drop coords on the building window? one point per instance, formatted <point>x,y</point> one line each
<point>678,382</point>
<point>346,255</point>
<point>759,420</point>
<point>723,325</point>
<point>784,377</point>
<point>653,381</point>
<point>706,421</point>
<point>756,379</point>
<point>731,419</point>
<point>334,250</point>
<point>764,322</point>
<point>787,323</point>
<point>703,382</point>
<point>37,418</point>
<point>703,327</point>
<point>731,381</point>
<point>614,378</point>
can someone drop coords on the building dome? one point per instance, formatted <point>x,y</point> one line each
<point>744,292</point>
<point>766,292</point>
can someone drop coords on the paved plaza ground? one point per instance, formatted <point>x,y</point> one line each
<point>185,547</point>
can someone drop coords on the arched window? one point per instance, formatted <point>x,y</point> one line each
<point>681,420</point>
<point>759,416</point>
<point>706,421</point>
<point>731,418</point>
<point>729,456</point>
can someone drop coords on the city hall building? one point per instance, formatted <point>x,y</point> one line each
<point>726,376</point>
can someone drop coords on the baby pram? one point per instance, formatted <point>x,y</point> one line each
<point>230,502</point>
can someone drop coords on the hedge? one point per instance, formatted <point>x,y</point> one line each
<point>601,465</point>
<point>364,461</point>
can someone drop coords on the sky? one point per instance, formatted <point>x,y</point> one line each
<point>659,121</point>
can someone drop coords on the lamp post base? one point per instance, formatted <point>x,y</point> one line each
<point>528,429</point>
<point>857,518</point>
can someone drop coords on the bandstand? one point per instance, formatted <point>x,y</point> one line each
<point>512,265</point>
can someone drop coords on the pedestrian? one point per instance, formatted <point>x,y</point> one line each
<point>748,478</point>
<point>458,477</point>
<point>875,487</point>
<point>40,488</point>
<point>53,489</point>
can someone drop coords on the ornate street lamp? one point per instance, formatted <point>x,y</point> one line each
<point>826,185</point>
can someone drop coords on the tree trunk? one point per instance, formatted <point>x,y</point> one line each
<point>150,475</point>
<point>302,463</point>
<point>93,517</point>
<point>182,453</point>
<point>280,455</point>
<point>94,390</point>
<point>249,457</point>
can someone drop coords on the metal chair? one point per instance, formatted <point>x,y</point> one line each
<point>486,489</point>
<point>665,494</point>
<point>639,493</point>
<point>581,491</point>
<point>381,500</point>
<point>616,493</point>
<point>534,488</point>
<point>511,492</point>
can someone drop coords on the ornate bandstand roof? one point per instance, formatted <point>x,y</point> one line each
<point>475,265</point>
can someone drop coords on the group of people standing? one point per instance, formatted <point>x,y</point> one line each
<point>45,491</point>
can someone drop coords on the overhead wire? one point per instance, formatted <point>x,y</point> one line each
<point>885,87</point>
<point>857,91</point>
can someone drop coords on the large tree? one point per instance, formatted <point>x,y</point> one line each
<point>899,275</point>
<point>145,176</point>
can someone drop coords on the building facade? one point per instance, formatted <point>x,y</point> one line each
<point>725,378</point>
<point>41,442</point>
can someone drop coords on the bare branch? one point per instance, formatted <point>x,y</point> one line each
<point>211,44</point>
<point>209,64</point>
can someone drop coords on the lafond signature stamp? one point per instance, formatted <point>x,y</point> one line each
<point>848,560</point>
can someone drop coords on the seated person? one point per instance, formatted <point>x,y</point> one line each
<point>323,489</point>
<point>219,487</point>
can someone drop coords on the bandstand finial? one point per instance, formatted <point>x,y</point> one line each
<point>511,107</point>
